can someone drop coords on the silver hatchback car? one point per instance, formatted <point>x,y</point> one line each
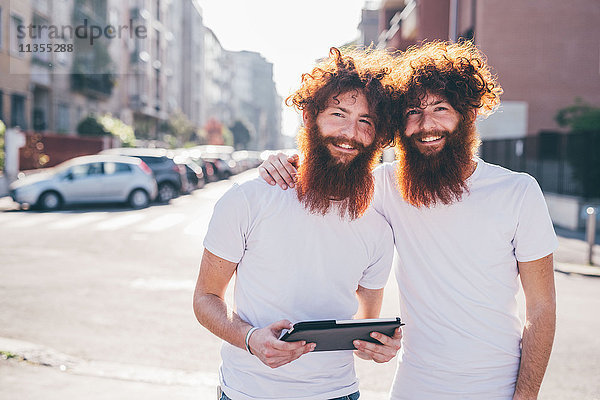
<point>88,179</point>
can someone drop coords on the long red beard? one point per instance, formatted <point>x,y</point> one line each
<point>324,182</point>
<point>439,178</point>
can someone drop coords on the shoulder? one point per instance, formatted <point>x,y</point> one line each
<point>375,224</point>
<point>505,176</point>
<point>258,187</point>
<point>384,172</point>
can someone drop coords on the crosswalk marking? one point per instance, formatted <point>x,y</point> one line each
<point>162,222</point>
<point>119,222</point>
<point>28,220</point>
<point>105,221</point>
<point>76,220</point>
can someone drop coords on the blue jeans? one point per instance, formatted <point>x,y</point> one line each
<point>353,396</point>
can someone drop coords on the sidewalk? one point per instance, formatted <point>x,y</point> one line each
<point>3,186</point>
<point>571,257</point>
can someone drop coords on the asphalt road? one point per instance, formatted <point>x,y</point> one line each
<point>99,302</point>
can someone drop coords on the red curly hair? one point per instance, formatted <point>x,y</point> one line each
<point>457,71</point>
<point>367,70</point>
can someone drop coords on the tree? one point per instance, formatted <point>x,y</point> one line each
<point>119,129</point>
<point>579,117</point>
<point>107,125</point>
<point>180,127</point>
<point>583,145</point>
<point>241,135</point>
<point>90,126</point>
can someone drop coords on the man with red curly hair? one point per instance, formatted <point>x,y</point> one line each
<point>466,233</point>
<point>334,265</point>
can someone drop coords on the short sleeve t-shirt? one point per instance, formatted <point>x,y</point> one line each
<point>298,266</point>
<point>458,280</point>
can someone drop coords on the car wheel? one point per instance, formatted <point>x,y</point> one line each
<point>139,199</point>
<point>50,201</point>
<point>166,192</point>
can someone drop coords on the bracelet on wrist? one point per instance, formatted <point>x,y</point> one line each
<point>247,339</point>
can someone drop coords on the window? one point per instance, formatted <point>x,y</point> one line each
<point>16,38</point>
<point>116,168</point>
<point>85,170</point>
<point>41,38</point>
<point>17,111</point>
<point>62,118</point>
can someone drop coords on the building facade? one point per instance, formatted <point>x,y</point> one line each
<point>15,66</point>
<point>545,54</point>
<point>152,59</point>
<point>256,101</point>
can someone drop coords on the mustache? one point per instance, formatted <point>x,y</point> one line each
<point>419,135</point>
<point>339,141</point>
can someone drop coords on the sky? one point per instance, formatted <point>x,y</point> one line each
<point>289,34</point>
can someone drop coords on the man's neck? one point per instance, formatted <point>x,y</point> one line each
<point>471,170</point>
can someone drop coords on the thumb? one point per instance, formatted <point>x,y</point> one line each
<point>278,326</point>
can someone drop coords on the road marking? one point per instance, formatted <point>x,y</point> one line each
<point>31,219</point>
<point>199,226</point>
<point>119,222</point>
<point>75,220</point>
<point>163,222</point>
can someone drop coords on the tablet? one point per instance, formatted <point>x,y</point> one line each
<point>332,335</point>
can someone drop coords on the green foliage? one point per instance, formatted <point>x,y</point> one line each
<point>583,149</point>
<point>579,117</point>
<point>227,136</point>
<point>2,130</point>
<point>107,125</point>
<point>90,126</point>
<point>119,129</point>
<point>180,127</point>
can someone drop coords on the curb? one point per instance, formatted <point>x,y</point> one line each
<point>44,356</point>
<point>578,269</point>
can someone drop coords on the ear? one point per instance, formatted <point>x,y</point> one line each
<point>474,113</point>
<point>305,117</point>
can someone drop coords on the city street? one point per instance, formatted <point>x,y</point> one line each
<point>97,304</point>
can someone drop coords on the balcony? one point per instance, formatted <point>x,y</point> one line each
<point>98,86</point>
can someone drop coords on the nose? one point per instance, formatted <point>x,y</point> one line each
<point>350,130</point>
<point>426,123</point>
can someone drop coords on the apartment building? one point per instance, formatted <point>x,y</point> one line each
<point>15,65</point>
<point>545,54</point>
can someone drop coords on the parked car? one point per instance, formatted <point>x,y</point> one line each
<point>219,157</point>
<point>170,177</point>
<point>194,173</point>
<point>88,179</point>
<point>208,169</point>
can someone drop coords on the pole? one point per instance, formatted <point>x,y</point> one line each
<point>591,232</point>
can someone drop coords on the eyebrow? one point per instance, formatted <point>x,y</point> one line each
<point>435,103</point>
<point>348,112</point>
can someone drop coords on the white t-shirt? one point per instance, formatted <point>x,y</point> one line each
<point>458,280</point>
<point>297,266</point>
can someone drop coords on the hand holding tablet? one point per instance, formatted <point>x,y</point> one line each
<point>330,335</point>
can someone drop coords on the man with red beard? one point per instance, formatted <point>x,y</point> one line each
<point>335,263</point>
<point>466,233</point>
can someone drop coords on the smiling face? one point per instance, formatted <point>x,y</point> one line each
<point>428,126</point>
<point>346,125</point>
